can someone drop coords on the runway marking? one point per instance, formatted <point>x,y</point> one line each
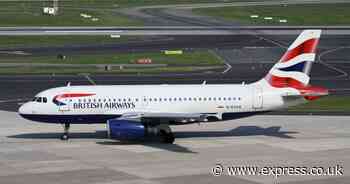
<point>17,52</point>
<point>13,100</point>
<point>270,40</point>
<point>343,73</point>
<point>89,79</point>
<point>84,31</point>
<point>228,68</point>
<point>259,47</point>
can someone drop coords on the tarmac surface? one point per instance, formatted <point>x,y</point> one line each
<point>182,15</point>
<point>187,42</point>
<point>32,153</point>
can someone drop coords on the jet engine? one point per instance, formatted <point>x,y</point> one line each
<point>125,129</point>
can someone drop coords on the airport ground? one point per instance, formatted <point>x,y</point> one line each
<point>32,153</point>
<point>179,12</point>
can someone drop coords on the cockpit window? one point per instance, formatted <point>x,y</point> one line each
<point>39,99</point>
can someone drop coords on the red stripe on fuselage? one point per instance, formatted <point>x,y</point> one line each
<point>309,46</point>
<point>72,95</point>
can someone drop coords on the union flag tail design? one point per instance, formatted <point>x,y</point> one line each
<point>293,68</point>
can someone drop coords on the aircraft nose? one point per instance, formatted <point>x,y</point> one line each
<point>24,109</point>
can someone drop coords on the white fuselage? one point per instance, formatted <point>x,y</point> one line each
<point>216,100</point>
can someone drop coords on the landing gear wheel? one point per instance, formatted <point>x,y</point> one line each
<point>65,135</point>
<point>167,138</point>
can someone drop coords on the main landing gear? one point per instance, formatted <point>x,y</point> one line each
<point>65,135</point>
<point>166,134</point>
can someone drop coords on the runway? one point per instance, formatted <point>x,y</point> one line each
<point>257,44</point>
<point>31,152</point>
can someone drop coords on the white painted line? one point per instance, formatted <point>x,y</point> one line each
<point>343,73</point>
<point>83,31</point>
<point>12,100</point>
<point>283,20</point>
<point>228,67</point>
<point>90,80</point>
<point>17,52</point>
<point>115,36</point>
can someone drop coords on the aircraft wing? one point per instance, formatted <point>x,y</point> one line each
<point>159,117</point>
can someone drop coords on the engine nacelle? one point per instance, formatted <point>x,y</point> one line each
<point>125,129</point>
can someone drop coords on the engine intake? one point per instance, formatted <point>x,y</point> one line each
<point>125,129</point>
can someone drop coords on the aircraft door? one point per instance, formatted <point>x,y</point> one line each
<point>257,97</point>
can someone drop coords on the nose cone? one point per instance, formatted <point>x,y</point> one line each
<point>24,109</point>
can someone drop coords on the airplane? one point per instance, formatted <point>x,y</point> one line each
<point>138,111</point>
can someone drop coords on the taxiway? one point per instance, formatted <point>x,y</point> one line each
<point>32,153</point>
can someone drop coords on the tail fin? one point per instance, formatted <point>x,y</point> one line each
<point>293,68</point>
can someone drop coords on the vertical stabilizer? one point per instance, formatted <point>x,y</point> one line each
<point>294,67</point>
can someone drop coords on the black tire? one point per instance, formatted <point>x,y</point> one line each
<point>167,138</point>
<point>64,137</point>
<point>170,139</point>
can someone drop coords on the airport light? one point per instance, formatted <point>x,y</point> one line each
<point>173,52</point>
<point>84,15</point>
<point>283,20</point>
<point>115,36</point>
<point>95,19</point>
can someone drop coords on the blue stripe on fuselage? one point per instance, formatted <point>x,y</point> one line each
<point>72,119</point>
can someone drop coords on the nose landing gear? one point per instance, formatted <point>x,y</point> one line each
<point>65,135</point>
